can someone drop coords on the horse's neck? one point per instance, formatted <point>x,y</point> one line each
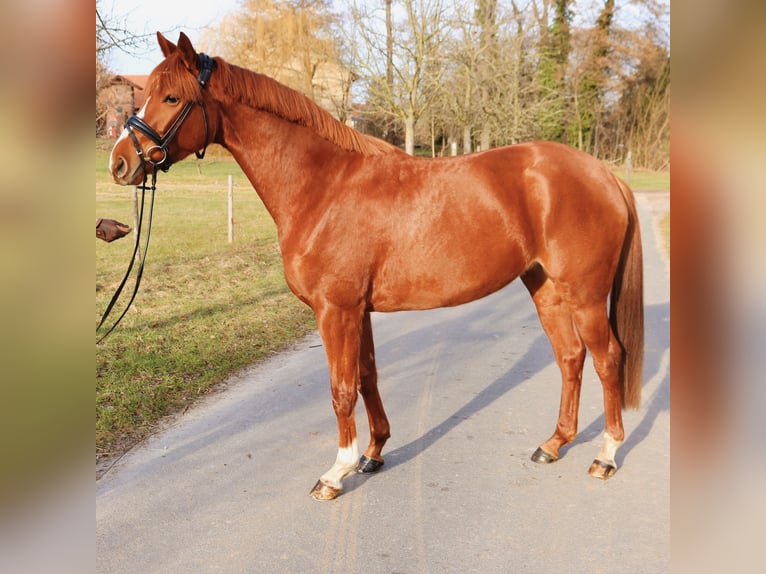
<point>278,157</point>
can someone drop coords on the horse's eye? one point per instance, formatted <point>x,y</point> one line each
<point>171,100</point>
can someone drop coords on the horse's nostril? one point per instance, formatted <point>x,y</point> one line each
<point>120,167</point>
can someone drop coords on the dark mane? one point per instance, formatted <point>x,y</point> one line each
<point>262,92</point>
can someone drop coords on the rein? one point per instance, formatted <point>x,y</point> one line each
<point>206,65</point>
<point>140,272</point>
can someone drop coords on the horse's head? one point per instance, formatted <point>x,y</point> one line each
<point>177,118</point>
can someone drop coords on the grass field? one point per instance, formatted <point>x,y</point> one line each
<point>206,308</point>
<point>643,180</point>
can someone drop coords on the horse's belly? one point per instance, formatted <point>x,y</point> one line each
<point>422,280</point>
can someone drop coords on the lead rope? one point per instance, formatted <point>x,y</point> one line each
<point>140,271</point>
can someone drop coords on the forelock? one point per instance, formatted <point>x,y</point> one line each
<point>172,77</point>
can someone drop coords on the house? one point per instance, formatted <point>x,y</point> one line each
<point>121,97</point>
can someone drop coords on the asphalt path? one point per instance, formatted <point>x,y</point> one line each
<point>470,392</point>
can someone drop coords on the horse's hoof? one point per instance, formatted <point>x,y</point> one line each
<point>602,470</point>
<point>322,491</point>
<point>368,465</point>
<point>542,457</point>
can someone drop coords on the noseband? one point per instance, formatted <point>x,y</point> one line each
<point>206,65</point>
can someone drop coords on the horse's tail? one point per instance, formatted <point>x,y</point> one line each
<point>626,313</point>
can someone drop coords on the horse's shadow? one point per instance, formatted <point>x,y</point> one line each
<point>537,357</point>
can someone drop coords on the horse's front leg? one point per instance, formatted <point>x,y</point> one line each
<point>340,329</point>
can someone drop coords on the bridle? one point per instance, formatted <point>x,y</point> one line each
<point>206,66</point>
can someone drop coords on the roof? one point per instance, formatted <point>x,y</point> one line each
<point>137,82</point>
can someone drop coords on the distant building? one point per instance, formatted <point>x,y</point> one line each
<point>120,98</point>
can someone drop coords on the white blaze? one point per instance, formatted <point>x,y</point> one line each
<point>124,133</point>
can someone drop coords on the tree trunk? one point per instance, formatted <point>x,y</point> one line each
<point>389,48</point>
<point>486,139</point>
<point>486,16</point>
<point>466,139</point>
<point>409,134</point>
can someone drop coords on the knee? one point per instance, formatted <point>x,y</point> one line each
<point>344,400</point>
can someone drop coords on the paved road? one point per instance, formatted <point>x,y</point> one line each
<point>470,393</point>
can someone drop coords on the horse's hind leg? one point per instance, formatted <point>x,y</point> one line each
<point>593,324</point>
<point>371,460</point>
<point>557,321</point>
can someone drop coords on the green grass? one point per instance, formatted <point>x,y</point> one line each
<point>645,180</point>
<point>206,308</point>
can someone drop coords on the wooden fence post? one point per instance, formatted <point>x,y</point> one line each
<point>231,209</point>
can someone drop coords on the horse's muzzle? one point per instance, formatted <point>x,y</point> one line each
<point>126,171</point>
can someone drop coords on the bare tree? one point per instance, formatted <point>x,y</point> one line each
<point>618,83</point>
<point>486,19</point>
<point>459,86</point>
<point>492,87</point>
<point>292,42</point>
<point>640,120</point>
<point>478,71</point>
<point>554,47</point>
<point>413,37</point>
<point>111,34</point>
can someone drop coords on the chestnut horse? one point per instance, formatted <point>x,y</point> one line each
<point>364,227</point>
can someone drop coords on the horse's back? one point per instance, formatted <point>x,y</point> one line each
<point>460,228</point>
<point>415,233</point>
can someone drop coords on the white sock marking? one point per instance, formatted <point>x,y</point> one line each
<point>345,463</point>
<point>609,449</point>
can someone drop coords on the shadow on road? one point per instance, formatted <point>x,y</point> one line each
<point>539,356</point>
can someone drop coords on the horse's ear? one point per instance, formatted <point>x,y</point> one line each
<point>166,45</point>
<point>188,53</point>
